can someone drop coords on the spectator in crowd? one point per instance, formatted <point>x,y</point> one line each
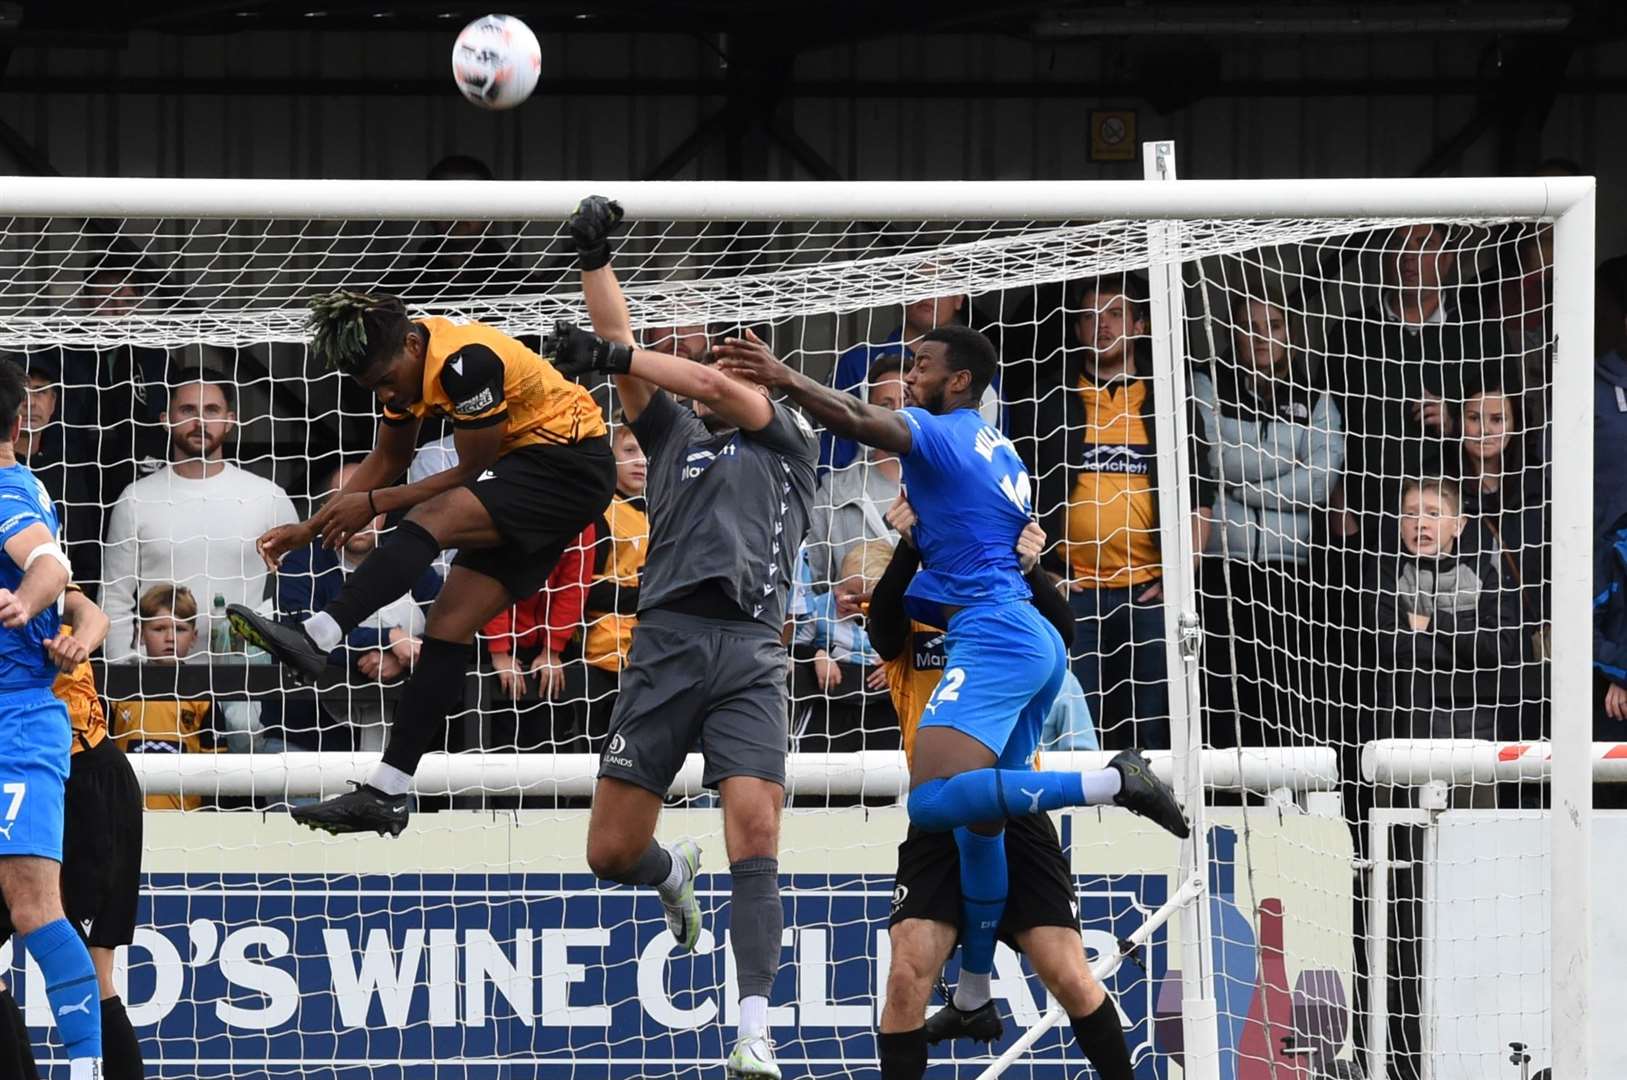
<point>1610,633</point>
<point>1399,370</point>
<point>111,405</point>
<point>168,617</point>
<point>1502,487</point>
<point>1095,463</point>
<point>435,456</point>
<point>1069,725</point>
<point>1446,621</point>
<point>1503,491</point>
<point>853,367</point>
<point>457,260</point>
<point>1610,395</point>
<point>193,522</point>
<point>529,641</point>
<point>382,649</point>
<point>621,539</point>
<point>841,701</point>
<point>1610,499</point>
<point>851,502</point>
<point>1275,444</point>
<point>39,440</point>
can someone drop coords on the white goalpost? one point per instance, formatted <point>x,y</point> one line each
<point>1379,806</point>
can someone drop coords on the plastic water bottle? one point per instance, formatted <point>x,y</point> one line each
<point>220,631</point>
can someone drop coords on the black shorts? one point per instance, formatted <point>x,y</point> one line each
<point>693,682</point>
<point>1041,891</point>
<point>540,498</point>
<point>101,847</point>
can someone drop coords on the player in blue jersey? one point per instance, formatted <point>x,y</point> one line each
<point>972,764</point>
<point>35,743</point>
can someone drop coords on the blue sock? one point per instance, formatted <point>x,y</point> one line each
<point>70,986</point>
<point>991,795</point>
<point>982,896</point>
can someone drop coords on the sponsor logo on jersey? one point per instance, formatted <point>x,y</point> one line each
<point>900,894</point>
<point>929,650</point>
<point>1125,460</point>
<point>5,830</point>
<point>479,403</point>
<point>487,475</point>
<point>698,460</point>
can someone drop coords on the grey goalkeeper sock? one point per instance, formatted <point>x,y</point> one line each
<point>757,923</point>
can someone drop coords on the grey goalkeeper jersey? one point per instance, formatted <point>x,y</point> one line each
<point>731,507</point>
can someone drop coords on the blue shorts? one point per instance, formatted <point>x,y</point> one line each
<point>1002,670</point>
<point>35,743</point>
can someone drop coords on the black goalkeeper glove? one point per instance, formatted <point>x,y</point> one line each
<point>590,226</point>
<point>577,352</point>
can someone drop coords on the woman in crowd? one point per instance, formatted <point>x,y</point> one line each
<point>1502,489</point>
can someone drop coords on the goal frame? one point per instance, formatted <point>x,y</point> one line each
<point>1567,201</point>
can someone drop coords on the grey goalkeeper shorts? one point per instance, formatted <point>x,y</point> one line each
<point>693,682</point>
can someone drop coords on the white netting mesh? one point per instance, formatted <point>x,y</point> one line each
<point>479,939</point>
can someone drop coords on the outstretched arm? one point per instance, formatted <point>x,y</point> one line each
<point>841,413</point>
<point>590,228</point>
<point>577,352</point>
<point>607,307</point>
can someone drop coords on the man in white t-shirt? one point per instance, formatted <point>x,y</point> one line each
<point>193,522</point>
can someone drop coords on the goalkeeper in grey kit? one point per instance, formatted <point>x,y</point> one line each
<point>730,482</point>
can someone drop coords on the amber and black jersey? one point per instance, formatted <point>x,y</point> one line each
<point>479,376</point>
<point>913,653</point>
<point>77,690</point>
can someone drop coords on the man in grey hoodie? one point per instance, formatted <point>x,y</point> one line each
<point>849,505</point>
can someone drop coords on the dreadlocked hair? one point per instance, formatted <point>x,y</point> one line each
<point>352,331</point>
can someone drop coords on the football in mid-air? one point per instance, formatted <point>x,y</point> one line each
<point>496,61</point>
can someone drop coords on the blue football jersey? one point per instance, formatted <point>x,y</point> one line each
<point>971,497</point>
<point>23,663</point>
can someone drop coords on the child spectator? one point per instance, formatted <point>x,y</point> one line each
<point>540,627</point>
<point>1446,623</point>
<point>620,546</point>
<point>382,649</point>
<point>168,623</point>
<point>842,703</point>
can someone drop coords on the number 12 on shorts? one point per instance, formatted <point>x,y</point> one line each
<point>948,689</point>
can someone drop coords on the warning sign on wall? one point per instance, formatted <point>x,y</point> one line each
<point>1112,135</point>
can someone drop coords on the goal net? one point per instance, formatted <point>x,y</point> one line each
<point>1359,675</point>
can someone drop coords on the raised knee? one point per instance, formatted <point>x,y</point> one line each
<point>922,807</point>
<point>608,859</point>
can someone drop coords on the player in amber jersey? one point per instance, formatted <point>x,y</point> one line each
<point>534,469</point>
<point>101,847</point>
<point>1041,918</point>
